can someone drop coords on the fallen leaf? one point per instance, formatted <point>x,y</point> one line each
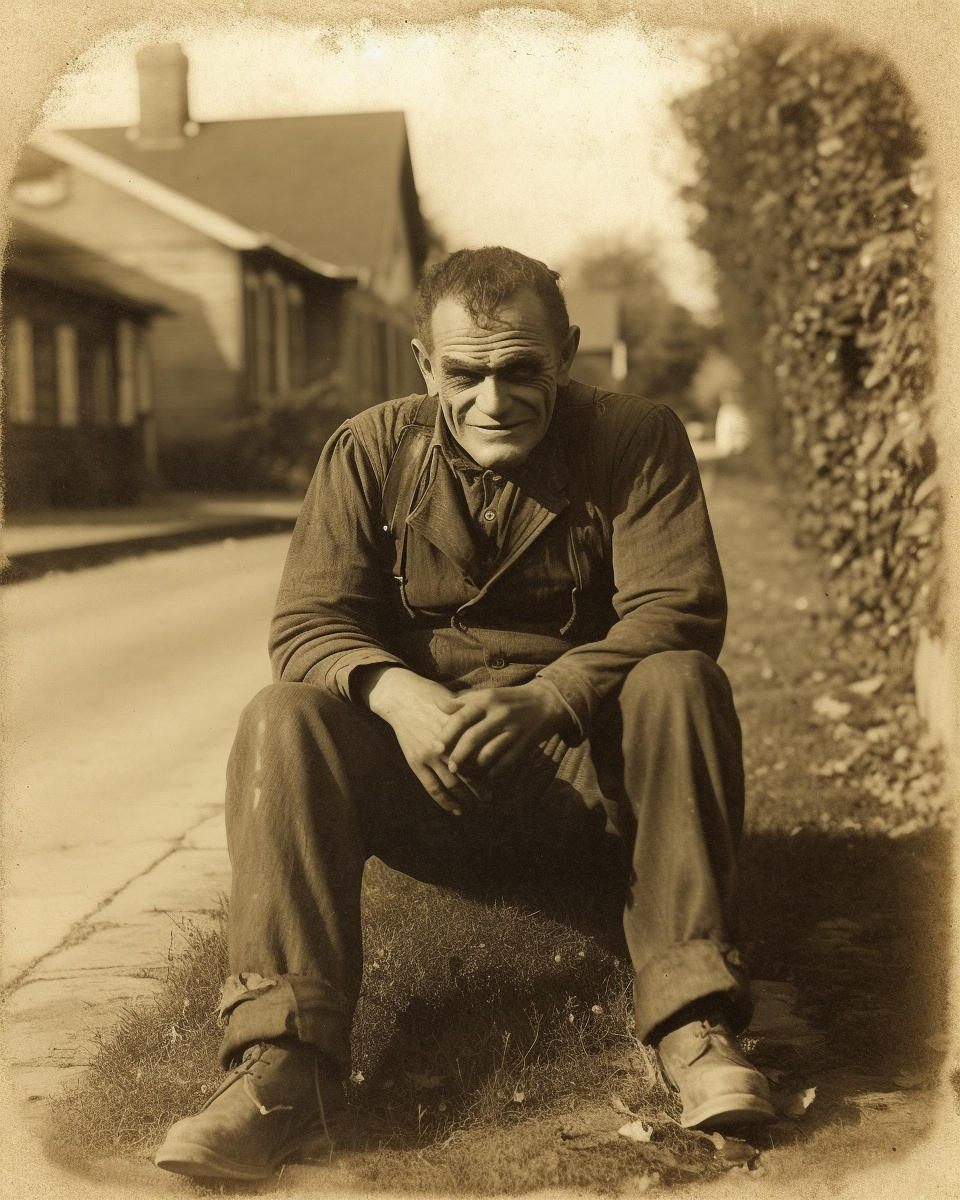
<point>638,1184</point>
<point>867,687</point>
<point>831,708</point>
<point>518,1097</point>
<point>636,1131</point>
<point>356,1077</point>
<point>800,1102</point>
<point>618,1106</point>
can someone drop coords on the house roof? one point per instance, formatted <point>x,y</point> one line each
<point>41,255</point>
<point>331,186</point>
<point>598,315</point>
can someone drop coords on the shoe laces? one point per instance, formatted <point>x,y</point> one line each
<point>253,1056</point>
<point>258,1053</point>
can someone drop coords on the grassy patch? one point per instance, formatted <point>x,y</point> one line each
<point>480,1027</point>
<point>489,1040</point>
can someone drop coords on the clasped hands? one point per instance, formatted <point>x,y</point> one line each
<point>459,744</point>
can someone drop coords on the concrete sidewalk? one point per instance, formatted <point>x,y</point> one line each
<point>67,539</point>
<point>112,959</point>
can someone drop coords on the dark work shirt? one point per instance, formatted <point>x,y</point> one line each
<point>600,554</point>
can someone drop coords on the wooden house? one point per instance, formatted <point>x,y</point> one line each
<point>293,243</point>
<point>78,426</point>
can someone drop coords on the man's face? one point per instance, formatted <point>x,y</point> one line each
<point>498,386</point>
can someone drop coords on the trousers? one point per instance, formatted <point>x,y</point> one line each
<point>643,819</point>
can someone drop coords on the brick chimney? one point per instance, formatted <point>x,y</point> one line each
<point>164,115</point>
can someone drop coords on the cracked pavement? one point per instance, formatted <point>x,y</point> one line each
<point>124,685</point>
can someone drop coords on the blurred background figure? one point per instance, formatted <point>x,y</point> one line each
<point>732,430</point>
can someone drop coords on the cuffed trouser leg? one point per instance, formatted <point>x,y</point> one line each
<point>683,777</point>
<point>297,855</point>
<point>315,785</point>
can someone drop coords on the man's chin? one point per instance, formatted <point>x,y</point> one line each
<point>499,452</point>
<point>499,458</point>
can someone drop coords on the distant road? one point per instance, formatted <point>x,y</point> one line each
<point>122,688</point>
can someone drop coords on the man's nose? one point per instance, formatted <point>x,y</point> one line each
<point>492,396</point>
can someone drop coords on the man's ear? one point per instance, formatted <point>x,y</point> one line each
<point>568,352</point>
<point>426,367</point>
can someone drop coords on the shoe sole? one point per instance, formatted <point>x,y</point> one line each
<point>200,1162</point>
<point>729,1112</point>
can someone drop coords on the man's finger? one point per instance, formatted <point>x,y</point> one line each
<point>438,793</point>
<point>500,751</point>
<point>467,750</point>
<point>459,723</point>
<point>455,785</point>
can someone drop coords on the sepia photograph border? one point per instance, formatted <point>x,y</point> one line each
<point>41,39</point>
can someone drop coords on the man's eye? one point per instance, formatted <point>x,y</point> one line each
<point>464,379</point>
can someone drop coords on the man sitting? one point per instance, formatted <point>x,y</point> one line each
<point>495,651</point>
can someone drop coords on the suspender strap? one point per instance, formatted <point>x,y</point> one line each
<point>403,477</point>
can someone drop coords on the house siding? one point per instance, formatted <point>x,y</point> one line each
<point>198,351</point>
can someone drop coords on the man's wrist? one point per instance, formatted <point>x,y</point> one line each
<point>565,722</point>
<point>373,685</point>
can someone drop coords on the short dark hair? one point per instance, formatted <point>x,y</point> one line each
<point>483,280</point>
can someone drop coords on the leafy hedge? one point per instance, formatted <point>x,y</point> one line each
<point>816,207</point>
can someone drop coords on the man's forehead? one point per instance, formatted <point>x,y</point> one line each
<point>521,321</point>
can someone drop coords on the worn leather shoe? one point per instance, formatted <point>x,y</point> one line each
<point>719,1089</point>
<point>281,1099</point>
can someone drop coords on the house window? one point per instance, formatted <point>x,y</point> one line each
<point>102,385</point>
<point>126,373</point>
<point>298,336</point>
<point>251,331</point>
<point>45,373</point>
<point>278,335</point>
<point>21,394</point>
<point>273,329</point>
<point>144,376</point>
<point>68,379</point>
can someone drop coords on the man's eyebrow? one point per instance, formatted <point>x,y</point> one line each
<point>523,360</point>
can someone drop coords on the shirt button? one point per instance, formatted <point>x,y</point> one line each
<point>497,663</point>
<point>489,515</point>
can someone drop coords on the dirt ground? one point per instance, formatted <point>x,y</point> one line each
<point>845,895</point>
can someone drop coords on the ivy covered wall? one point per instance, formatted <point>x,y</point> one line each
<point>816,205</point>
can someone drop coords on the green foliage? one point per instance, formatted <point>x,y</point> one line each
<point>275,450</point>
<point>816,206</point>
<point>665,344</point>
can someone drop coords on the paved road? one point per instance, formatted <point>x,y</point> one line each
<point>122,689</point>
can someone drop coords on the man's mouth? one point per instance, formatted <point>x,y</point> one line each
<point>497,428</point>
